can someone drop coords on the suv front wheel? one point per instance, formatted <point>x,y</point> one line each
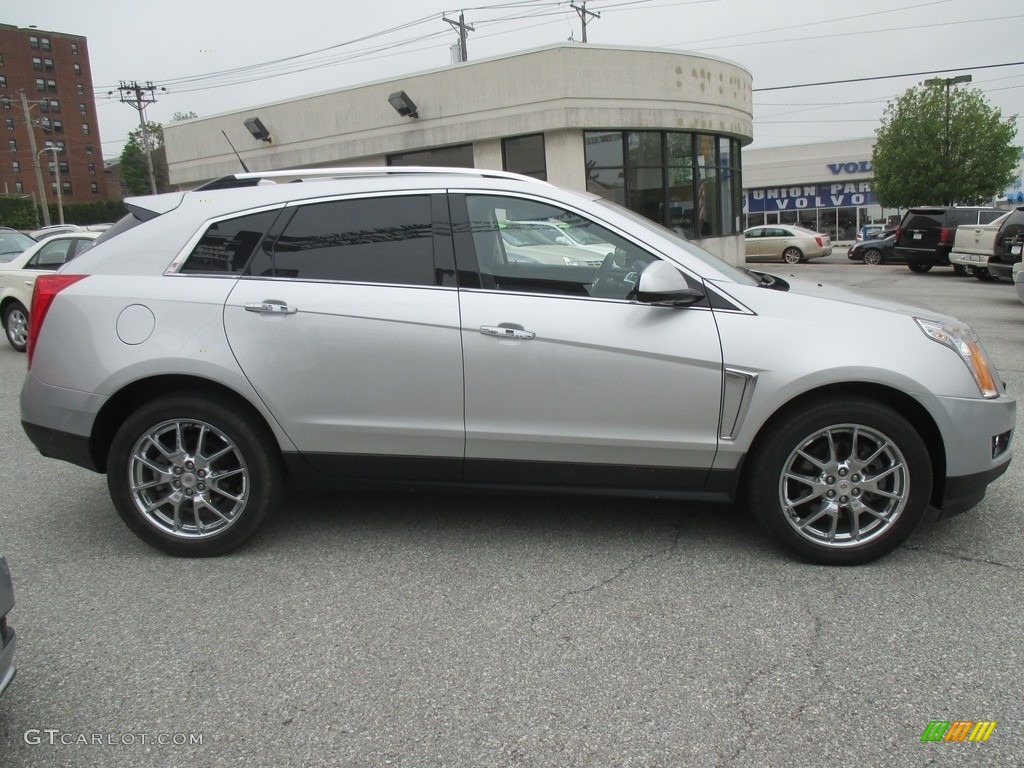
<point>193,474</point>
<point>841,482</point>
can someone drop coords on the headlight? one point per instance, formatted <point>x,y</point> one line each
<point>964,342</point>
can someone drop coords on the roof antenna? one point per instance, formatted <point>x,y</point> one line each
<point>244,167</point>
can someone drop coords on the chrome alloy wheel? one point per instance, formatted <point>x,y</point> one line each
<point>844,485</point>
<point>188,479</point>
<point>17,327</point>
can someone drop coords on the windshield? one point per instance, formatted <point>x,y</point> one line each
<point>13,243</point>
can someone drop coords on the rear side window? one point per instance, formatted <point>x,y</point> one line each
<point>372,240</point>
<point>226,246</point>
<point>987,217</point>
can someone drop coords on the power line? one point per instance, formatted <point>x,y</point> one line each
<point>886,77</point>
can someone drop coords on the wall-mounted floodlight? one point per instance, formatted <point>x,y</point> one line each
<point>403,104</point>
<point>258,130</point>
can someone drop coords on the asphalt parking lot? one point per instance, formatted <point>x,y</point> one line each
<point>466,630</point>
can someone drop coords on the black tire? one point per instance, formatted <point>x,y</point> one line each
<point>797,500</point>
<point>16,325</point>
<point>792,255</point>
<point>873,256</point>
<point>963,270</point>
<point>919,268</point>
<point>183,434</point>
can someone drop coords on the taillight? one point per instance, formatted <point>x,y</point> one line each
<point>45,291</point>
<point>820,243</point>
<point>945,235</point>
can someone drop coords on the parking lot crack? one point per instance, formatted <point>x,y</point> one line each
<point>965,558</point>
<point>565,597</point>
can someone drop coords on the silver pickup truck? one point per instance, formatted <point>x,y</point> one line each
<point>973,246</point>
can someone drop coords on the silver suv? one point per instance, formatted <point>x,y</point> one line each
<point>366,326</point>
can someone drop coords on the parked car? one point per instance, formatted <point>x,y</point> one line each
<point>18,276</point>
<point>1018,280</point>
<point>874,250</point>
<point>369,329</point>
<point>784,243</point>
<point>7,637</point>
<point>54,229</point>
<point>1008,243</point>
<point>973,247</point>
<point>527,245</point>
<point>868,230</point>
<point>564,233</point>
<point>925,235</point>
<point>13,243</point>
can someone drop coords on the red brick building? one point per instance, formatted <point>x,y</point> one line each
<point>52,70</point>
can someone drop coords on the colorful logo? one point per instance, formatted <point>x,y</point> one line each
<point>958,730</point>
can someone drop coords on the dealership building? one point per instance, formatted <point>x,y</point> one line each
<point>657,131</point>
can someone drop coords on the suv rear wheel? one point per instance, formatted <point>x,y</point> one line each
<point>191,474</point>
<point>841,482</point>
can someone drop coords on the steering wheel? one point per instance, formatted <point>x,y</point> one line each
<point>608,285</point>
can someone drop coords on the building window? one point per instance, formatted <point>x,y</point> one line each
<point>525,155</point>
<point>47,125</point>
<point>19,187</point>
<point>3,83</point>
<point>78,69</point>
<point>85,128</point>
<point>58,126</point>
<point>33,42</point>
<point>74,49</point>
<point>37,64</point>
<point>94,187</point>
<point>44,43</point>
<point>15,166</point>
<point>459,156</point>
<point>63,165</point>
<point>9,122</point>
<point>60,146</point>
<point>55,106</point>
<point>82,109</point>
<point>92,169</point>
<point>48,65</point>
<point>5,103</point>
<point>66,185</point>
<point>44,106</point>
<point>52,85</point>
<point>1,59</point>
<point>40,84</point>
<point>88,149</point>
<point>81,89</point>
<point>12,145</point>
<point>687,182</point>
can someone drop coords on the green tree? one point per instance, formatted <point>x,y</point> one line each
<point>942,144</point>
<point>134,171</point>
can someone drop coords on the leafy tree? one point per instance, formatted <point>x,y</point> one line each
<point>133,161</point>
<point>942,144</point>
<point>177,117</point>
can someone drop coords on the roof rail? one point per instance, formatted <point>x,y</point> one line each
<point>299,174</point>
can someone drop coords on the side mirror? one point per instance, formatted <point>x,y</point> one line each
<point>662,285</point>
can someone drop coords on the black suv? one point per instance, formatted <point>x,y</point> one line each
<point>925,235</point>
<point>1009,241</point>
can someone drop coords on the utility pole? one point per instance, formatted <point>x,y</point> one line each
<point>56,171</point>
<point>35,159</point>
<point>136,96</point>
<point>462,26</point>
<point>947,83</point>
<point>583,13</point>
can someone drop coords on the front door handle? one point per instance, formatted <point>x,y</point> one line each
<point>271,308</point>
<point>506,333</point>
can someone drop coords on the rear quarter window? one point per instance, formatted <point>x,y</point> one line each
<point>923,220</point>
<point>226,245</point>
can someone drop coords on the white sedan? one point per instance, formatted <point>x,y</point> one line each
<point>18,277</point>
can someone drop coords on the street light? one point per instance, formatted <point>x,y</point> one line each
<point>947,83</point>
<point>56,170</point>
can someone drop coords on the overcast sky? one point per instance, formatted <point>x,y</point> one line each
<point>207,52</point>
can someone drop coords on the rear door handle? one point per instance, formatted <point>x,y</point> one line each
<point>271,308</point>
<point>506,333</point>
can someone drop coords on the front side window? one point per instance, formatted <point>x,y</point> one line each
<point>373,240</point>
<point>512,254</point>
<point>226,246</point>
